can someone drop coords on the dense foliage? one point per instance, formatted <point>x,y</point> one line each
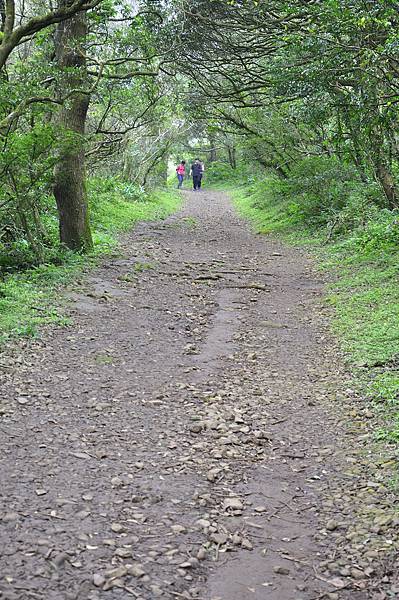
<point>83,91</point>
<point>305,90</point>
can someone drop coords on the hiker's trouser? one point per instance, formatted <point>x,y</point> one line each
<point>180,178</point>
<point>197,181</point>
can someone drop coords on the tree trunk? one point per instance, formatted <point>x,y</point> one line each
<point>232,156</point>
<point>356,151</point>
<point>70,173</point>
<point>212,152</point>
<point>387,183</point>
<point>356,157</point>
<point>158,157</point>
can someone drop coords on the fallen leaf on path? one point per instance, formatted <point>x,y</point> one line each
<point>81,455</point>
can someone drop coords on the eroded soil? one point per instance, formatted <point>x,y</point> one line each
<point>193,434</point>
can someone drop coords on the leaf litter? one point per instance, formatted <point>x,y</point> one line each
<point>209,435</point>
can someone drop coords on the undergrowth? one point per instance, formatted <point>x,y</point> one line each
<point>356,239</point>
<point>28,298</point>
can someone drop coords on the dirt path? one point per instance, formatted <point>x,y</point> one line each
<point>177,441</point>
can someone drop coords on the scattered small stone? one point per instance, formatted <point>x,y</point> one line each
<point>234,504</point>
<point>236,539</point>
<point>255,394</point>
<point>98,580</point>
<point>43,542</point>
<point>185,565</point>
<point>9,517</point>
<point>109,542</point>
<point>123,552</point>
<point>60,558</point>
<point>136,570</point>
<point>196,428</point>
<point>116,573</point>
<point>357,574</point>
<point>77,564</point>
<point>332,525</point>
<point>82,455</point>
<point>116,482</point>
<point>156,591</point>
<point>383,520</point>
<point>178,529</point>
<point>337,582</point>
<point>202,554</point>
<point>281,570</point>
<point>219,538</point>
<point>87,497</point>
<point>204,523</point>
<point>22,400</point>
<point>111,583</point>
<point>212,474</point>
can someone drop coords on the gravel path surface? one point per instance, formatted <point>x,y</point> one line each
<point>187,436</point>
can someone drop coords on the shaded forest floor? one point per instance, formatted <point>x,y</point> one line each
<point>193,434</point>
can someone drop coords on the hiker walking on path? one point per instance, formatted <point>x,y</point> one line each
<point>181,171</point>
<point>197,169</point>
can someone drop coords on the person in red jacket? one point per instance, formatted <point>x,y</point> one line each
<point>181,171</point>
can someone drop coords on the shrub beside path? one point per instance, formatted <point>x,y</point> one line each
<point>193,434</point>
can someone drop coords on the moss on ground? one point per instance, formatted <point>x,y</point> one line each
<point>30,299</point>
<point>364,264</point>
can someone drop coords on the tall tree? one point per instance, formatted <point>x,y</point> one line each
<point>70,174</point>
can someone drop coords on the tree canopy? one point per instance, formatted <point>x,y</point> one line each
<point>117,88</point>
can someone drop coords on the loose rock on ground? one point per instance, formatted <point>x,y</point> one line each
<point>192,434</point>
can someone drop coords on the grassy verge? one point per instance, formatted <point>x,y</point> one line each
<point>28,299</point>
<point>364,261</point>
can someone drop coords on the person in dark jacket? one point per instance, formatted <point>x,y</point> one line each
<point>196,171</point>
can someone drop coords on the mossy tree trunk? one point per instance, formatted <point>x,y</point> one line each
<point>382,163</point>
<point>232,156</point>
<point>212,151</point>
<point>70,173</point>
<point>387,182</point>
